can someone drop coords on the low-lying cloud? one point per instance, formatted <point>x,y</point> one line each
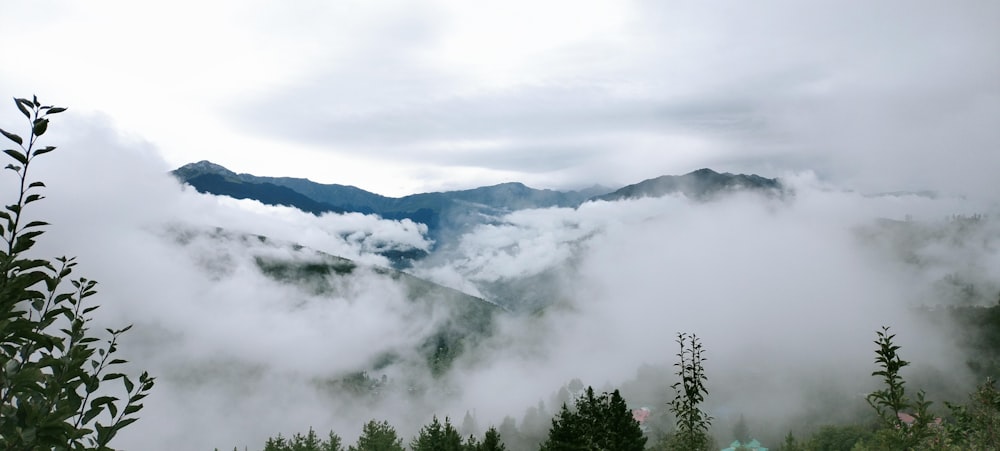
<point>785,294</point>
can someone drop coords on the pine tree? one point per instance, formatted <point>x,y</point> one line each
<point>276,443</point>
<point>567,432</point>
<point>741,431</point>
<point>623,430</point>
<point>376,436</point>
<point>437,437</point>
<point>601,422</point>
<point>308,442</point>
<point>790,443</point>
<point>491,441</point>
<point>333,443</point>
<point>469,426</point>
<point>509,431</point>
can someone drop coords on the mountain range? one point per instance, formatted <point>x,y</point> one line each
<point>453,210</point>
<point>468,318</point>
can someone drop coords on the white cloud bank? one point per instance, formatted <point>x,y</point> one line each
<point>785,288</point>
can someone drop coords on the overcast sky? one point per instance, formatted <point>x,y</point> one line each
<point>399,97</point>
<point>402,97</point>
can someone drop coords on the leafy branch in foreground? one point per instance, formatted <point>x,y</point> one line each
<point>890,403</point>
<point>52,371</point>
<point>692,422</point>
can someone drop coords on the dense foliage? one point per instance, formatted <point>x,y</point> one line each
<point>304,442</point>
<point>53,372</point>
<point>601,422</point>
<point>378,436</point>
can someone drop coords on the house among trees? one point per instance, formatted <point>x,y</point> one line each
<point>908,420</point>
<point>752,445</point>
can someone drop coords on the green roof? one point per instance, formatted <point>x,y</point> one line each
<point>752,444</point>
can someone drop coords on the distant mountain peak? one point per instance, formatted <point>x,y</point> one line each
<point>200,168</point>
<point>701,184</point>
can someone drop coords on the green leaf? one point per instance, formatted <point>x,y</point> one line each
<point>25,241</point>
<point>90,415</point>
<point>112,376</point>
<point>125,422</point>
<point>44,150</point>
<point>17,156</point>
<point>12,137</point>
<point>55,110</point>
<point>23,105</point>
<point>40,126</point>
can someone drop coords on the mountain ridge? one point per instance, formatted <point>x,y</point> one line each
<point>453,211</point>
<point>702,184</point>
<point>695,184</point>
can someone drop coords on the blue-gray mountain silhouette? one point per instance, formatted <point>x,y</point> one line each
<point>451,212</point>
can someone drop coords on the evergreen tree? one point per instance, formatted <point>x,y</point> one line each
<point>508,430</point>
<point>596,423</point>
<point>741,431</point>
<point>308,442</point>
<point>276,443</point>
<point>790,444</point>
<point>471,443</point>
<point>438,437</point>
<point>376,436</point>
<point>567,432</point>
<point>535,423</point>
<point>333,443</point>
<point>491,441</point>
<point>623,430</point>
<point>469,426</point>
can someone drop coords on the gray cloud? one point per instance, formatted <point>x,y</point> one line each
<point>898,95</point>
<point>869,94</point>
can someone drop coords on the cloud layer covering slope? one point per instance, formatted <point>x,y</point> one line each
<point>786,294</point>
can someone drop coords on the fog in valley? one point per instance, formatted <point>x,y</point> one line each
<point>786,293</point>
<point>879,119</point>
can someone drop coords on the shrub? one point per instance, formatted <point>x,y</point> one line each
<point>53,372</point>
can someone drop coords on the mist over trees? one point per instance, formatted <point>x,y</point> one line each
<point>57,377</point>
